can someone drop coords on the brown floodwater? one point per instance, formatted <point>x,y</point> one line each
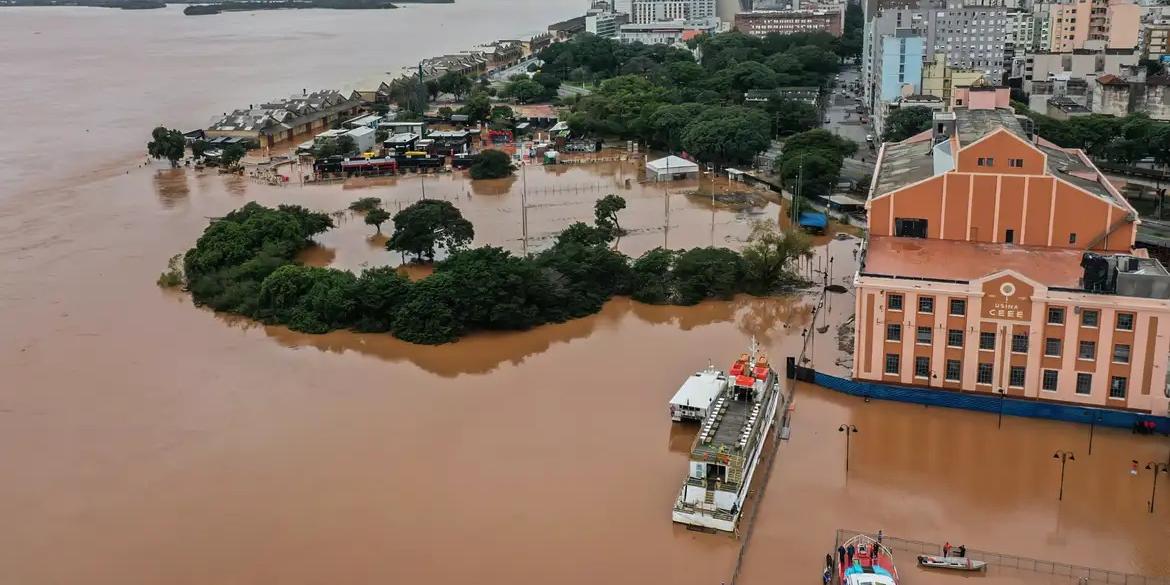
<point>143,440</point>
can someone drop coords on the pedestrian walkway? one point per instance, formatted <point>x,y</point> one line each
<point>1079,575</point>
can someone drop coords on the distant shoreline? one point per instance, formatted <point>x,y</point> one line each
<point>196,8</point>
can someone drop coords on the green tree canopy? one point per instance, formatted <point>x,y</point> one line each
<point>734,138</point>
<point>376,217</point>
<point>232,155</point>
<point>770,254</point>
<point>365,204</point>
<point>429,224</point>
<point>525,91</point>
<point>491,164</point>
<point>454,83</point>
<point>605,212</point>
<point>167,144</point>
<point>903,123</point>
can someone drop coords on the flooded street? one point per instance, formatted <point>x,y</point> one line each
<point>143,440</point>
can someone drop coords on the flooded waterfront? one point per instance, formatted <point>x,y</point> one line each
<point>146,441</point>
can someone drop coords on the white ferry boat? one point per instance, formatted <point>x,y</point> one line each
<point>730,440</point>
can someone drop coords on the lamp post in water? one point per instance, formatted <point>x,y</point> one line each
<point>1094,418</point>
<point>1002,394</point>
<point>848,430</point>
<point>1156,467</point>
<point>1064,457</point>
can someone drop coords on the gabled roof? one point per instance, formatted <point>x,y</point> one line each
<point>1111,79</point>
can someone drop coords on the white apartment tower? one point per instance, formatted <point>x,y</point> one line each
<point>652,11</point>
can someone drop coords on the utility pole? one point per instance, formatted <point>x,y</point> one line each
<point>666,211</point>
<point>524,206</point>
<point>799,190</point>
<point>1064,457</point>
<point>1093,418</point>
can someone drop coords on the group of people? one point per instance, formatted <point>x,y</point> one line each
<point>960,551</point>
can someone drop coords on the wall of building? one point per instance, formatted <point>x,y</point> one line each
<point>979,203</point>
<point>1027,315</point>
<point>1124,24</point>
<point>901,64</point>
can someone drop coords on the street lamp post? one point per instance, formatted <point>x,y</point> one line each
<point>1156,467</point>
<point>1093,419</point>
<point>848,430</point>
<point>1064,457</point>
<point>1002,394</point>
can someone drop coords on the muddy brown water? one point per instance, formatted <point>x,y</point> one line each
<point>143,440</point>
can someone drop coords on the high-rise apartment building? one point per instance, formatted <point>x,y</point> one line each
<point>652,11</point>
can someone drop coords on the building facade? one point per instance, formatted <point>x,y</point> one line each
<point>972,37</point>
<point>999,263</point>
<point>898,73</point>
<point>655,11</point>
<point>764,22</point>
<point>1156,41</point>
<point>940,79</point>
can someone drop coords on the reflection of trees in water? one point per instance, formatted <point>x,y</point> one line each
<point>766,318</point>
<point>170,185</point>
<point>235,184</point>
<point>483,352</point>
<point>494,186</point>
<point>317,255</point>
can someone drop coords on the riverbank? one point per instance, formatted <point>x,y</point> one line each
<point>258,5</point>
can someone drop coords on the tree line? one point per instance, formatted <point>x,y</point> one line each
<point>1123,140</point>
<point>245,263</point>
<point>666,99</point>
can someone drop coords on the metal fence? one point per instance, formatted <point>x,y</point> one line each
<point>1074,573</point>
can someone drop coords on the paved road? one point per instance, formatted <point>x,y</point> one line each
<point>844,121</point>
<point>501,77</point>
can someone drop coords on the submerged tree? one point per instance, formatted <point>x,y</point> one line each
<point>769,254</point>
<point>605,212</point>
<point>168,144</point>
<point>376,217</point>
<point>491,164</point>
<point>430,223</point>
<point>365,204</point>
<point>232,155</point>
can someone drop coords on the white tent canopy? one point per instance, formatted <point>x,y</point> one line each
<point>670,167</point>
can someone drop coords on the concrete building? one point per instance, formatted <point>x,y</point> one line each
<point>764,22</point>
<point>606,24</point>
<point>898,73</point>
<point>1071,74</point>
<point>939,79</point>
<point>1156,41</point>
<point>998,263</point>
<point>1075,24</point>
<point>654,11</point>
<point>1063,108</point>
<point>666,33</point>
<point>1132,94</point>
<point>884,18</point>
<point>972,37</point>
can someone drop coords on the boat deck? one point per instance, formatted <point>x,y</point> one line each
<point>730,426</point>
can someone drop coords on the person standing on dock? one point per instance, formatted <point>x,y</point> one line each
<point>947,549</point>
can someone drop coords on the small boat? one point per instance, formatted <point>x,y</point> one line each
<point>953,563</point>
<point>872,563</point>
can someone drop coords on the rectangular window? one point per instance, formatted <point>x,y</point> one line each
<point>1016,163</point>
<point>1052,347</point>
<point>1048,380</point>
<point>1087,351</point>
<point>1019,344</point>
<point>1016,377</point>
<point>893,332</point>
<point>1121,353</point>
<point>921,367</point>
<point>955,338</point>
<point>958,307</point>
<point>1072,238</point>
<point>1125,321</point>
<point>1056,315</point>
<point>1117,386</point>
<point>1089,318</point>
<point>985,162</point>
<point>983,375</point>
<point>1084,383</point>
<point>925,304</point>
<point>954,370</point>
<point>923,335</point>
<point>894,302</point>
<point>987,340</point>
<point>893,363</point>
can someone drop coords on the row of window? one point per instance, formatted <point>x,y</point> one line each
<point>953,372</point>
<point>958,308</point>
<point>1086,350</point>
<point>1015,163</point>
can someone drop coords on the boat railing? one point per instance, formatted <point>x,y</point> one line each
<point>1075,573</point>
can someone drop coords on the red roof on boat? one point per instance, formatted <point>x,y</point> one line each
<point>745,381</point>
<point>761,372</point>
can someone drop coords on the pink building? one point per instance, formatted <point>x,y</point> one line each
<point>1000,263</point>
<point>1113,24</point>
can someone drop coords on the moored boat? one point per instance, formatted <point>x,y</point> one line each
<point>862,560</point>
<point>953,563</point>
<point>734,427</point>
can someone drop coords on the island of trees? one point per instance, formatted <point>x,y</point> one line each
<point>245,263</point>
